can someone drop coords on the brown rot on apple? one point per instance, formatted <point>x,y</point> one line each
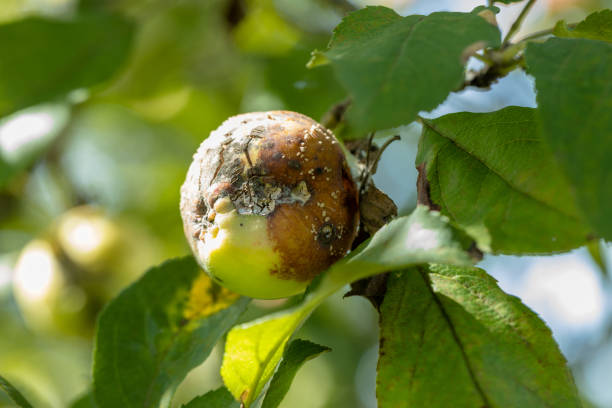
<point>269,203</point>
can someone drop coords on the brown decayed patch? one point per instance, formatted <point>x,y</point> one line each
<point>312,236</point>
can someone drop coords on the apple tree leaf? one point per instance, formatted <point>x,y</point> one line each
<point>13,393</point>
<point>157,330</point>
<point>43,59</point>
<point>297,353</point>
<point>597,26</point>
<point>219,398</point>
<point>492,174</point>
<point>396,66</point>
<point>574,95</point>
<point>451,337</point>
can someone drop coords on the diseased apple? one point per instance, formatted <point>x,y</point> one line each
<point>269,203</point>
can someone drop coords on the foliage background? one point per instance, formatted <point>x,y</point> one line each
<point>124,148</point>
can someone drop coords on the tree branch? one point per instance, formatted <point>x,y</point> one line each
<point>517,24</point>
<point>543,33</point>
<point>335,114</point>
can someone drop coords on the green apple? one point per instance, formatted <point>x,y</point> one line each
<point>88,236</point>
<point>62,279</point>
<point>49,301</point>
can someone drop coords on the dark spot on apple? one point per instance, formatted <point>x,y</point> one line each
<point>201,207</point>
<point>294,164</point>
<point>256,171</point>
<point>326,234</point>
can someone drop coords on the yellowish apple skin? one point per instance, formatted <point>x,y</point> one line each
<point>238,247</point>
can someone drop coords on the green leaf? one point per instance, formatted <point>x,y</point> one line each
<point>452,329</point>
<point>480,9</point>
<point>26,135</point>
<point>575,100</point>
<point>422,237</point>
<point>396,66</point>
<point>310,92</point>
<point>492,174</point>
<point>297,353</point>
<point>13,393</point>
<point>175,39</point>
<point>84,401</point>
<point>597,250</point>
<point>44,59</point>
<point>253,350</point>
<point>219,398</point>
<point>317,59</point>
<point>156,331</point>
<point>597,26</point>
<point>263,31</point>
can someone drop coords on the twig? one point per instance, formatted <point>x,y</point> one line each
<point>370,167</point>
<point>369,148</point>
<point>491,74</point>
<point>517,24</point>
<point>542,33</point>
<point>365,175</point>
<point>335,114</point>
<point>374,165</point>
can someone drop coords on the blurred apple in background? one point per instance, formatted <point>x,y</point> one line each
<point>111,251</point>
<point>48,296</point>
<point>88,237</point>
<point>62,280</point>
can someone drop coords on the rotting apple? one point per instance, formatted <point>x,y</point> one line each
<point>269,203</point>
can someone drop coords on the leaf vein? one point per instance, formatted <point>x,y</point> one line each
<point>456,338</point>
<point>431,126</point>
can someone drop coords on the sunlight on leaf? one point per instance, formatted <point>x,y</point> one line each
<point>317,59</point>
<point>253,350</point>
<point>27,134</point>
<point>206,298</point>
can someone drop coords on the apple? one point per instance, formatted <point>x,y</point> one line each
<point>49,300</point>
<point>63,278</point>
<point>269,203</point>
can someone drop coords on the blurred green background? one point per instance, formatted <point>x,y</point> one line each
<point>91,164</point>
